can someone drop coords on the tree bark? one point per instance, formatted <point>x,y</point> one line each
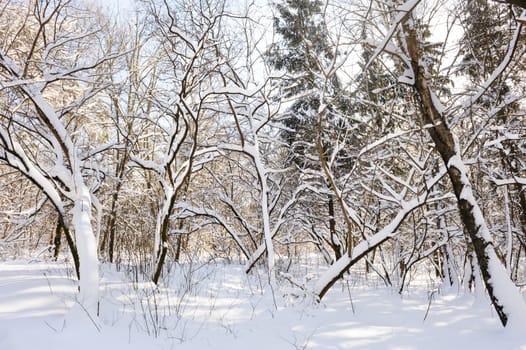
<point>335,242</point>
<point>503,294</point>
<point>163,235</point>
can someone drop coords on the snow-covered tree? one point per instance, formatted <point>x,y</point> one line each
<point>438,120</point>
<point>499,148</point>
<point>404,42</point>
<point>302,50</point>
<point>49,69</point>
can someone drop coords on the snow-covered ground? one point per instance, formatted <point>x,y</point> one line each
<point>218,307</point>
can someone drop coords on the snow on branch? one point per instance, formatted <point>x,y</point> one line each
<point>512,47</point>
<point>219,219</point>
<point>509,181</point>
<point>402,14</point>
<point>337,269</point>
<point>16,157</point>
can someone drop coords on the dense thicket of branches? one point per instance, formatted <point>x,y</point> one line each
<point>359,132</point>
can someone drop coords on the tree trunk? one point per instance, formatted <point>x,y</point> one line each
<point>504,296</point>
<point>335,242</point>
<point>181,241</point>
<point>87,245</point>
<point>57,240</point>
<point>162,249</point>
<point>72,248</point>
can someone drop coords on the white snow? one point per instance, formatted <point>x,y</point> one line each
<point>502,182</point>
<point>386,232</point>
<point>406,79</point>
<point>87,249</point>
<point>64,148</point>
<point>436,102</point>
<point>225,309</point>
<point>402,12</point>
<point>22,162</point>
<point>504,289</point>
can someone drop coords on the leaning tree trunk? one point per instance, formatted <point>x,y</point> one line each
<point>62,227</point>
<point>504,295</point>
<point>335,241</point>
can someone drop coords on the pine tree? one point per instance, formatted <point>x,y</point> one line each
<point>304,44</point>
<point>304,40</point>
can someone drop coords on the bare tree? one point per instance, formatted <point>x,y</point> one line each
<point>39,119</point>
<point>416,60</point>
<point>193,65</point>
<point>436,119</point>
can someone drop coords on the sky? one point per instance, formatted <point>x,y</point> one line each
<point>114,7</point>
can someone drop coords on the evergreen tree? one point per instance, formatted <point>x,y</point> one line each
<point>304,41</point>
<point>303,46</point>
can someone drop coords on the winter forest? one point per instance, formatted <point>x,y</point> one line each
<point>300,174</point>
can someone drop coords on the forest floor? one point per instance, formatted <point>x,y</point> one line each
<point>217,306</point>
